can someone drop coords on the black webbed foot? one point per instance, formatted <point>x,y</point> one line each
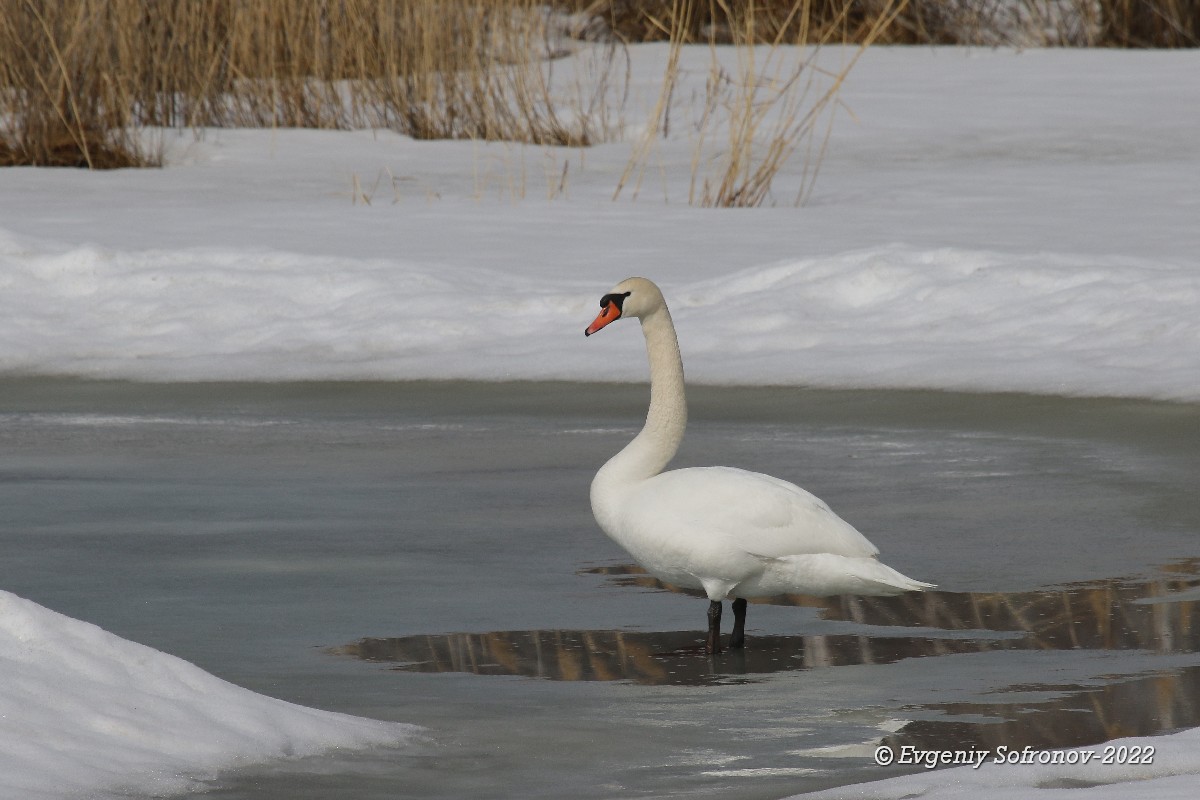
<point>738,639</point>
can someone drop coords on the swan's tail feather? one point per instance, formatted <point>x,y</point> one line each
<point>894,582</point>
<point>825,574</point>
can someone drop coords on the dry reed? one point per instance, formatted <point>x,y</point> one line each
<point>775,104</point>
<point>63,102</point>
<point>77,77</point>
<point>771,104</point>
<point>1022,23</point>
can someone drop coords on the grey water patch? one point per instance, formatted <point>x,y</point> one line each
<point>387,511</point>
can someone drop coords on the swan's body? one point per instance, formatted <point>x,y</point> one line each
<point>726,531</point>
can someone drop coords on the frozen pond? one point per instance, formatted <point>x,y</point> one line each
<point>425,553</point>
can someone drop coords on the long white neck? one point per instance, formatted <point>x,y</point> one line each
<point>654,447</point>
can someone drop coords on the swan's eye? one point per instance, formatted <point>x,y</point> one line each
<point>616,299</point>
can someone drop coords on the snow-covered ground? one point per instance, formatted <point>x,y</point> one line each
<point>983,221</point>
<point>85,713</point>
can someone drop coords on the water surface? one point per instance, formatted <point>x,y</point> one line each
<point>424,552</point>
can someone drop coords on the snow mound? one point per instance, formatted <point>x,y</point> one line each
<point>85,712</point>
<point>899,317</point>
<point>885,317</point>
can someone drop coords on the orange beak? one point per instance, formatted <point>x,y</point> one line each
<point>611,313</point>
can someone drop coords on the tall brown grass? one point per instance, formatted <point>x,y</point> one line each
<point>78,77</point>
<point>64,101</point>
<point>1149,23</point>
<point>1082,23</point>
<point>1049,23</point>
<point>715,22</point>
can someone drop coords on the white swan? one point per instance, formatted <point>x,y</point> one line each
<point>726,531</point>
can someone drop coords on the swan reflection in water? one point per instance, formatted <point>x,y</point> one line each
<point>1158,615</point>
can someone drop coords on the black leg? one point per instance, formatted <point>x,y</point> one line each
<point>713,643</point>
<point>738,639</point>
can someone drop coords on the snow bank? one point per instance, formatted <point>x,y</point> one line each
<point>85,712</point>
<point>985,220</point>
<point>891,316</point>
<point>955,319</point>
<point>1172,776</point>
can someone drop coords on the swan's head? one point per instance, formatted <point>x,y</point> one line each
<point>632,297</point>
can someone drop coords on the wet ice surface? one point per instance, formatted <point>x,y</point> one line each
<point>266,532</point>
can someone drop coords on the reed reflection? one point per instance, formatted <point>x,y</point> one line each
<point>1160,614</point>
<point>676,658</point>
<point>1074,717</point>
<point>1112,614</point>
<point>1117,614</point>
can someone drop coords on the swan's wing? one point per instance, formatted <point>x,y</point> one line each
<point>749,511</point>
